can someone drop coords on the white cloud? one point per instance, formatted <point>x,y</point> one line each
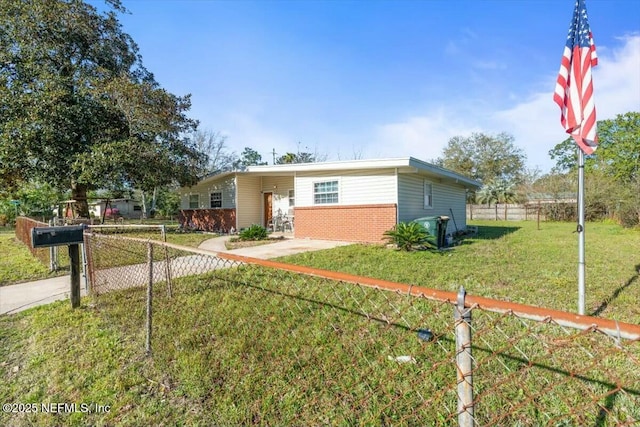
<point>617,80</point>
<point>245,131</point>
<point>462,43</point>
<point>420,136</point>
<point>535,123</point>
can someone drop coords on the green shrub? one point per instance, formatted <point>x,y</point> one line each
<point>7,211</point>
<point>409,236</point>
<point>255,232</point>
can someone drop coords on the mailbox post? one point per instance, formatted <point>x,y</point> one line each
<point>71,236</point>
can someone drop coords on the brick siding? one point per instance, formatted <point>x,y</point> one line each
<point>357,223</point>
<point>215,220</point>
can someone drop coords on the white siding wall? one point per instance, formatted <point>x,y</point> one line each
<point>279,186</point>
<point>204,189</point>
<point>354,187</point>
<point>445,196</point>
<point>249,201</point>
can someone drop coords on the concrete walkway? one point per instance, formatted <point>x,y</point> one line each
<point>287,246</point>
<point>15,298</point>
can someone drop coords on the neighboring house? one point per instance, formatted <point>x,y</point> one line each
<point>124,208</point>
<point>117,208</point>
<point>354,200</point>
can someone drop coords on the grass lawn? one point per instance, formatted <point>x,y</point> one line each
<point>513,261</point>
<point>188,239</point>
<point>16,262</point>
<point>235,348</point>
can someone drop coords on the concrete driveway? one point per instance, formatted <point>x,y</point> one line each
<point>287,246</point>
<point>15,298</point>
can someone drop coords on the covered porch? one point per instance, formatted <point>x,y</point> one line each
<point>267,200</point>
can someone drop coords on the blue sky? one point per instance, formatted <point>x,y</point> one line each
<point>373,79</point>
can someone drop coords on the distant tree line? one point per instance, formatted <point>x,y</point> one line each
<point>612,173</point>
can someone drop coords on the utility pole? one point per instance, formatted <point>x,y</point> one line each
<point>274,156</point>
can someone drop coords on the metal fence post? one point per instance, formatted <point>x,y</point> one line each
<point>167,267</point>
<point>464,362</point>
<point>53,253</point>
<point>87,245</point>
<point>149,296</point>
<point>85,267</point>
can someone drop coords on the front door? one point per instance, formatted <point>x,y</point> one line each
<point>268,208</point>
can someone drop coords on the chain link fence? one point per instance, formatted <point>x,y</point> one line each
<point>57,258</point>
<point>47,256</point>
<point>144,231</point>
<point>260,342</point>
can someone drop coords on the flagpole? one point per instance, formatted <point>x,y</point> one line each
<point>574,96</point>
<point>581,268</point>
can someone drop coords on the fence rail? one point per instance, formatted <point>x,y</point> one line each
<point>337,348</point>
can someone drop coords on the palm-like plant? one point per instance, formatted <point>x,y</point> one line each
<point>499,191</point>
<point>409,236</point>
<point>487,194</point>
<point>506,194</point>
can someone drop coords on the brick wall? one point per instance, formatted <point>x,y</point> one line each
<point>215,220</point>
<point>358,223</point>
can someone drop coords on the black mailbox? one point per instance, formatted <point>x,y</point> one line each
<point>57,236</point>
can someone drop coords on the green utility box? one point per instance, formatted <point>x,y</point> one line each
<point>437,227</point>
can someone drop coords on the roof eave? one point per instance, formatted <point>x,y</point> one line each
<point>453,176</point>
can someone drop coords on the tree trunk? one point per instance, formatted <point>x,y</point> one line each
<point>505,211</point>
<point>154,198</point>
<point>144,205</point>
<point>79,194</point>
<point>104,211</point>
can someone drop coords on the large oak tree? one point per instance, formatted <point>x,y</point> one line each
<point>79,110</point>
<point>612,172</point>
<point>618,153</point>
<point>485,157</point>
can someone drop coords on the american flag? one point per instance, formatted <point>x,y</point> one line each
<point>574,88</point>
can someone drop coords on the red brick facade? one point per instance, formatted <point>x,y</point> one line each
<point>358,223</point>
<point>215,220</point>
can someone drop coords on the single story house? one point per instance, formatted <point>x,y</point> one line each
<point>125,208</point>
<point>356,200</point>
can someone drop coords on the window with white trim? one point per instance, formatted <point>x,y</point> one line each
<point>325,192</point>
<point>194,201</point>
<point>428,195</point>
<point>292,198</point>
<point>216,200</point>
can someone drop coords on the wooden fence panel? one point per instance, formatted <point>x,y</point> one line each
<point>503,211</point>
